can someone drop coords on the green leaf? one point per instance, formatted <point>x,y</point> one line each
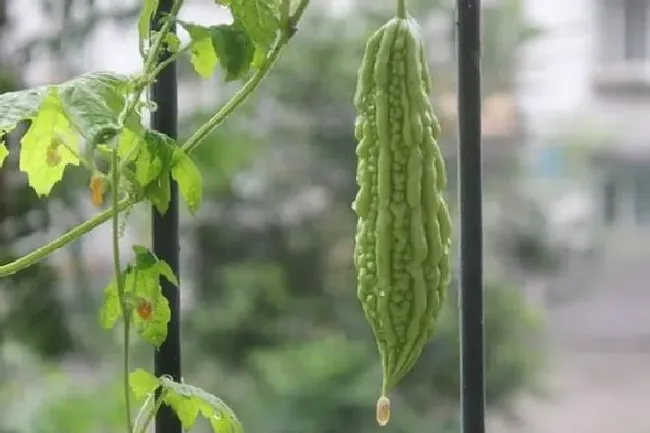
<point>172,42</point>
<point>141,287</point>
<point>46,147</point>
<point>260,18</point>
<point>3,153</point>
<point>148,165</point>
<point>166,271</point>
<point>111,310</point>
<point>153,168</point>
<point>92,102</point>
<point>154,329</point>
<point>146,288</point>
<point>142,383</point>
<point>190,400</point>
<point>186,409</point>
<point>144,259</point>
<point>154,157</point>
<point>128,144</point>
<point>190,182</point>
<point>227,44</point>
<point>18,106</point>
<point>139,249</point>
<point>204,58</point>
<point>159,193</point>
<point>144,21</point>
<point>234,48</point>
<point>142,282</point>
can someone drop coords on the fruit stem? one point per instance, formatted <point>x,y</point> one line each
<point>401,9</point>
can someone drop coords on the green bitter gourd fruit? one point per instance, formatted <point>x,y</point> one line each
<point>402,245</point>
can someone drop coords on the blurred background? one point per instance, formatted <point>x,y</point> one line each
<point>271,322</point>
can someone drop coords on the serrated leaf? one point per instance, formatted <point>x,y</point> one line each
<point>191,399</point>
<point>142,383</point>
<point>144,20</point>
<point>141,285</point>
<point>154,157</point>
<point>146,287</point>
<point>172,42</point>
<point>234,49</point>
<point>148,165</point>
<point>166,271</point>
<point>159,193</point>
<point>203,58</point>
<point>20,105</point>
<point>111,310</point>
<point>153,168</point>
<point>139,250</point>
<point>227,44</point>
<point>260,18</point>
<point>45,147</point>
<point>186,409</point>
<point>3,153</point>
<point>128,144</point>
<point>144,259</point>
<point>190,182</point>
<point>143,282</point>
<point>93,102</point>
<point>154,329</point>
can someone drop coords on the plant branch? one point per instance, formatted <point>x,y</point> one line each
<point>240,97</point>
<point>150,64</point>
<point>119,281</point>
<point>142,411</point>
<point>70,236</point>
<point>288,30</point>
<point>153,412</point>
<point>171,59</point>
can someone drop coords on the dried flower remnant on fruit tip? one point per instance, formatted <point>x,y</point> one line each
<point>97,187</point>
<point>383,411</point>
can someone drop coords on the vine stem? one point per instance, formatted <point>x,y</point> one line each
<point>143,409</point>
<point>70,236</point>
<point>150,70</point>
<point>241,96</point>
<point>171,59</point>
<point>121,293</point>
<point>250,85</point>
<point>152,414</point>
<point>401,9</point>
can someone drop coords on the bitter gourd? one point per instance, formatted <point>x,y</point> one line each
<point>402,245</point>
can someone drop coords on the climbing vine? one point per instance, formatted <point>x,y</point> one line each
<point>95,121</point>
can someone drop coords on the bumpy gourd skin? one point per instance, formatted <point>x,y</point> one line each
<point>402,245</point>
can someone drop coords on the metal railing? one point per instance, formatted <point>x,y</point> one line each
<point>166,228</point>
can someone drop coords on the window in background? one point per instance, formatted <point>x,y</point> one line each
<point>609,202</point>
<point>622,32</point>
<point>642,197</point>
<point>635,29</point>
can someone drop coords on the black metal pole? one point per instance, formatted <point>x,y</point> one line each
<point>468,16</point>
<point>167,359</point>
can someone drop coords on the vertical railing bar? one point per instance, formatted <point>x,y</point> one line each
<point>165,236</point>
<point>468,16</point>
